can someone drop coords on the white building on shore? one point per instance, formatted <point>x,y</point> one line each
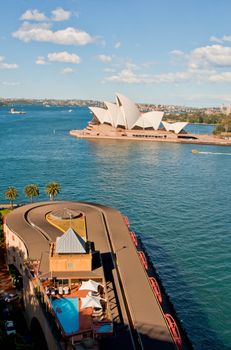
<point>125,114</point>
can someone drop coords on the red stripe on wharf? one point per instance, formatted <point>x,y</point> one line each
<point>174,331</point>
<point>126,221</point>
<point>134,238</point>
<point>143,259</point>
<point>155,288</point>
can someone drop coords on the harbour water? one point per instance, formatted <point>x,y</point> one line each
<point>177,201</point>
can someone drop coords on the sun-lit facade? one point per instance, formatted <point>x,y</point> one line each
<point>125,114</point>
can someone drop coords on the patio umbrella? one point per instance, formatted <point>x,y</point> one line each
<point>90,285</point>
<point>90,302</point>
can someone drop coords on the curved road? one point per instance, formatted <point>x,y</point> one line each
<point>136,302</point>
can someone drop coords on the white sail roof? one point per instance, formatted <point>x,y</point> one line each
<point>167,126</point>
<point>115,113</point>
<point>150,119</point>
<point>143,122</point>
<point>101,114</point>
<point>179,126</point>
<point>70,243</point>
<point>129,110</point>
<point>176,127</point>
<point>125,113</point>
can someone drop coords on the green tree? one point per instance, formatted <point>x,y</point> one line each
<point>224,125</point>
<point>11,194</point>
<point>31,191</point>
<point>52,189</point>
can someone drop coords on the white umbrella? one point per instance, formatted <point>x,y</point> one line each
<point>90,302</point>
<point>90,285</point>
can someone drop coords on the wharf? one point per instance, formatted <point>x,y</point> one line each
<point>137,315</point>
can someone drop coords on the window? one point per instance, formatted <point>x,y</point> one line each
<point>70,266</point>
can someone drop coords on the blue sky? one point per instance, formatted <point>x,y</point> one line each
<point>163,52</point>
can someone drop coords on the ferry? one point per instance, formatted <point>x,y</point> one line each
<point>14,111</point>
<point>195,151</point>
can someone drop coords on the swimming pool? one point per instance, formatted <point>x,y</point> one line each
<point>67,312</point>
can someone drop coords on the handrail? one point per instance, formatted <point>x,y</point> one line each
<point>174,331</point>
<point>143,259</point>
<point>156,289</point>
<point>134,238</point>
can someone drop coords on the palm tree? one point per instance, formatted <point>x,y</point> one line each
<point>31,191</point>
<point>52,189</point>
<point>11,194</point>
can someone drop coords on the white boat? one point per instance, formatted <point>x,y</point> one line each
<point>14,111</point>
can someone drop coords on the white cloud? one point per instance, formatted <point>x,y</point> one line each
<point>64,56</point>
<point>33,15</point>
<point>117,45</point>
<point>68,36</point>
<point>10,83</point>
<point>197,75</point>
<point>59,14</point>
<point>221,77</point>
<point>67,70</point>
<point>177,53</point>
<point>220,40</point>
<point>203,64</point>
<point>214,55</point>
<point>41,60</point>
<point>104,58</point>
<point>4,65</point>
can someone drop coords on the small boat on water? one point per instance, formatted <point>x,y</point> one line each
<point>195,151</point>
<point>14,111</point>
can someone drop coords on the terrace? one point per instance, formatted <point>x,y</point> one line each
<point>79,307</point>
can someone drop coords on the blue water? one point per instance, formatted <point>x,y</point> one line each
<point>177,201</point>
<point>105,328</point>
<point>66,310</point>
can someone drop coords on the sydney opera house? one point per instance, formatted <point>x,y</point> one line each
<point>124,120</point>
<point>125,114</point>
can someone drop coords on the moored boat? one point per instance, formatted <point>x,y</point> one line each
<point>14,111</point>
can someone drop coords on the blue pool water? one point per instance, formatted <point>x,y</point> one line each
<point>105,328</point>
<point>67,312</point>
<point>178,202</point>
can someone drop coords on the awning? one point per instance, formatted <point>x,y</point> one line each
<point>90,285</point>
<point>90,302</point>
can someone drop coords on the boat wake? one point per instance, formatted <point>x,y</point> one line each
<point>216,153</point>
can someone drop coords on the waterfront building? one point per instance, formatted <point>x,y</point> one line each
<point>85,281</point>
<point>125,114</point>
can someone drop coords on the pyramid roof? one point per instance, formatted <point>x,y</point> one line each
<point>70,243</point>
